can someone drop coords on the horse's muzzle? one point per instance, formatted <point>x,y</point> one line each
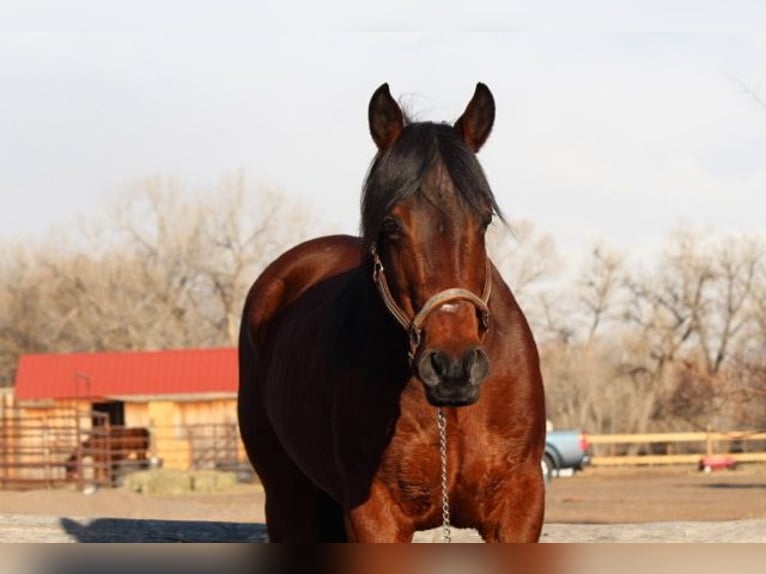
<point>453,380</point>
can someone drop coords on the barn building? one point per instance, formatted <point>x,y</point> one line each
<point>186,398</point>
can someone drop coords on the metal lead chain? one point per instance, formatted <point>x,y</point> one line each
<point>441,423</point>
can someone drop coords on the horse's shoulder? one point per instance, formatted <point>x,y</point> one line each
<point>328,247</point>
<point>297,270</point>
<point>311,261</point>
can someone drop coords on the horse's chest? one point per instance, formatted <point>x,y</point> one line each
<point>412,473</point>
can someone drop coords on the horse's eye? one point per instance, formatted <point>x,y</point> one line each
<point>391,226</point>
<point>486,222</point>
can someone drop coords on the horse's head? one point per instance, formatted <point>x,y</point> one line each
<point>425,211</point>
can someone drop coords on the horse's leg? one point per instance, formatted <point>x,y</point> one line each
<point>379,519</point>
<point>114,473</point>
<point>332,527</point>
<point>296,509</point>
<point>516,512</point>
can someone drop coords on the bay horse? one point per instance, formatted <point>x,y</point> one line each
<point>108,446</point>
<point>350,347</point>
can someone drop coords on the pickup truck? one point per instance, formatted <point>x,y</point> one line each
<point>565,449</point>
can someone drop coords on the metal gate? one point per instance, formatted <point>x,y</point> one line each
<point>38,451</point>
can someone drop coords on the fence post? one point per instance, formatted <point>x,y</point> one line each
<point>78,452</point>
<point>108,442</point>
<point>6,446</point>
<point>46,451</point>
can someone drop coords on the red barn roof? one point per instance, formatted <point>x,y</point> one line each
<point>127,374</point>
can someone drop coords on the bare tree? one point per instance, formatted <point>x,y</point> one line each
<point>22,321</point>
<point>200,256</point>
<point>161,270</point>
<point>598,288</point>
<point>529,262</point>
<point>683,346</point>
<point>525,257</point>
<point>240,239</point>
<point>750,92</point>
<point>692,313</point>
<point>666,305</point>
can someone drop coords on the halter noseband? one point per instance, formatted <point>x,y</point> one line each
<point>414,326</point>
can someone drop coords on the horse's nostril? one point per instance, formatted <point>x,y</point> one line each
<point>469,358</point>
<point>476,364</point>
<point>440,364</point>
<point>432,367</point>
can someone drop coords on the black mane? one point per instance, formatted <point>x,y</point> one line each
<point>399,172</point>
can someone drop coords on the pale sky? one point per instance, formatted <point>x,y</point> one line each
<point>616,121</point>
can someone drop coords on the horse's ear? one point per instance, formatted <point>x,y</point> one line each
<point>386,119</point>
<point>477,119</point>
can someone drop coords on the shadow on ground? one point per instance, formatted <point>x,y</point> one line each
<point>142,530</point>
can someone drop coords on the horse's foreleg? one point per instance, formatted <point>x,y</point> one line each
<point>517,512</point>
<point>296,509</point>
<point>379,519</point>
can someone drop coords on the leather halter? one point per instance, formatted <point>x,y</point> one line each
<point>414,326</point>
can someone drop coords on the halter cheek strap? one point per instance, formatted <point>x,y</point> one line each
<point>414,326</point>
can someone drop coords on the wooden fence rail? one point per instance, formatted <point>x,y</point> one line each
<point>676,448</point>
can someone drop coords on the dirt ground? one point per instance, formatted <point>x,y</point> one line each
<point>608,496</point>
<point>595,496</point>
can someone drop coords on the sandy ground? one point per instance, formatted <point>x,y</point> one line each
<point>657,494</point>
<point>241,503</point>
<point>594,497</point>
